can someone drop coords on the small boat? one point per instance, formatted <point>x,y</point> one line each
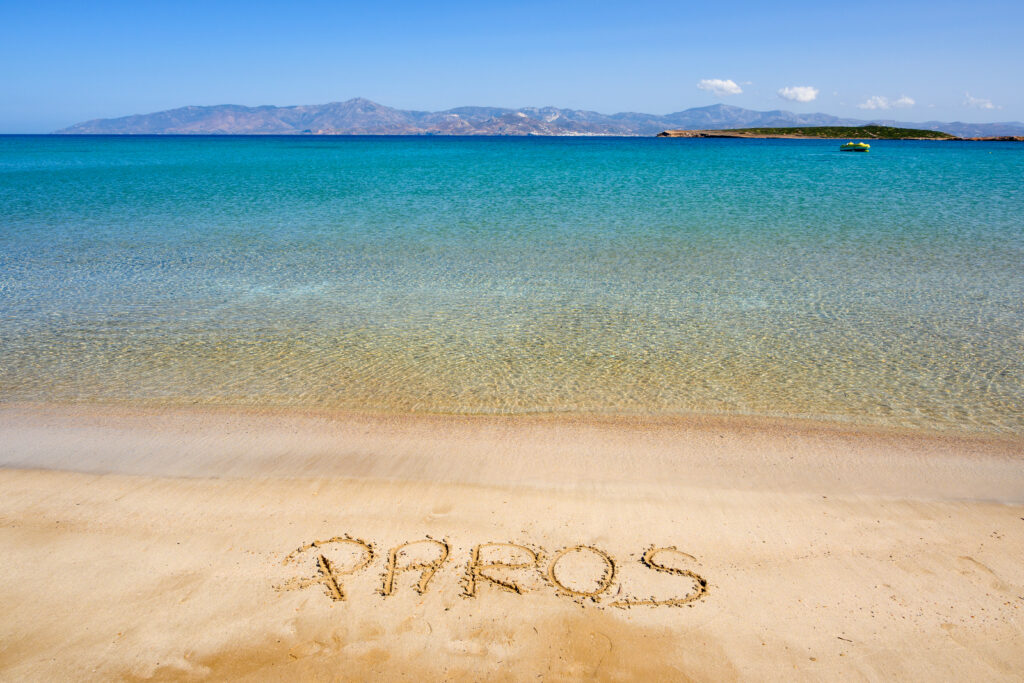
<point>855,147</point>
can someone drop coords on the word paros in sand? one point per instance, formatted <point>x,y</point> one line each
<point>580,572</point>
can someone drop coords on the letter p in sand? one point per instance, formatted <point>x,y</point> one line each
<point>361,555</point>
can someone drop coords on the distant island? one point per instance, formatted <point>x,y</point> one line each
<point>363,117</point>
<point>869,132</point>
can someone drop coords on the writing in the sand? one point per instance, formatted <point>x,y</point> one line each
<point>579,572</point>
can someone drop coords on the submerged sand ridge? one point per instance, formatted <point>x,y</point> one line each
<point>188,545</point>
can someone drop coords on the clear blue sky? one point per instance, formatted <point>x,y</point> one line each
<point>61,63</point>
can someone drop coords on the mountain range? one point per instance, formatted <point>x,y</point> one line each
<point>362,117</point>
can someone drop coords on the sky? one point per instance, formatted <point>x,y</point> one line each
<point>66,62</point>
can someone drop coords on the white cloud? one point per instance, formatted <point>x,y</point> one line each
<point>978,102</point>
<point>720,87</point>
<point>876,102</point>
<point>799,93</point>
<point>880,102</point>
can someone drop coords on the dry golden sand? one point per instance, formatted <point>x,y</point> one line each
<point>176,544</point>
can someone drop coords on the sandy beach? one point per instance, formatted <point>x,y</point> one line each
<point>187,544</point>
<point>391,342</point>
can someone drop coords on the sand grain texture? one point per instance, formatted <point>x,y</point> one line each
<point>166,545</point>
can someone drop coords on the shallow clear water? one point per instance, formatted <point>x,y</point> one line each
<point>509,275</point>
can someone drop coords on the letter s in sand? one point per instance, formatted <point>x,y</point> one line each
<point>650,560</point>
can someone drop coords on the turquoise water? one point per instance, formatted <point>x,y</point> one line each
<point>509,275</point>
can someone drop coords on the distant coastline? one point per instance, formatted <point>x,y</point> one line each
<point>363,117</point>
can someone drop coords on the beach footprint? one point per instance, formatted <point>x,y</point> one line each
<point>439,512</point>
<point>970,566</point>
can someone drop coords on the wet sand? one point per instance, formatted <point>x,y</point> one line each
<point>188,544</point>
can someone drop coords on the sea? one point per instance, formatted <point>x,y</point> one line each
<point>508,275</point>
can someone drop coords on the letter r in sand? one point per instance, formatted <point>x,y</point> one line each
<point>478,567</point>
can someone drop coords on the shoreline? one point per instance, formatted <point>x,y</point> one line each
<point>195,544</point>
<point>710,450</point>
<point>817,423</point>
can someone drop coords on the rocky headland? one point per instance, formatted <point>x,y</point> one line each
<point>833,133</point>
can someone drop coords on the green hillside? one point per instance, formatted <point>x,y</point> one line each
<point>867,132</point>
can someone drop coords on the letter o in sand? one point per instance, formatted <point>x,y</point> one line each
<point>604,581</point>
